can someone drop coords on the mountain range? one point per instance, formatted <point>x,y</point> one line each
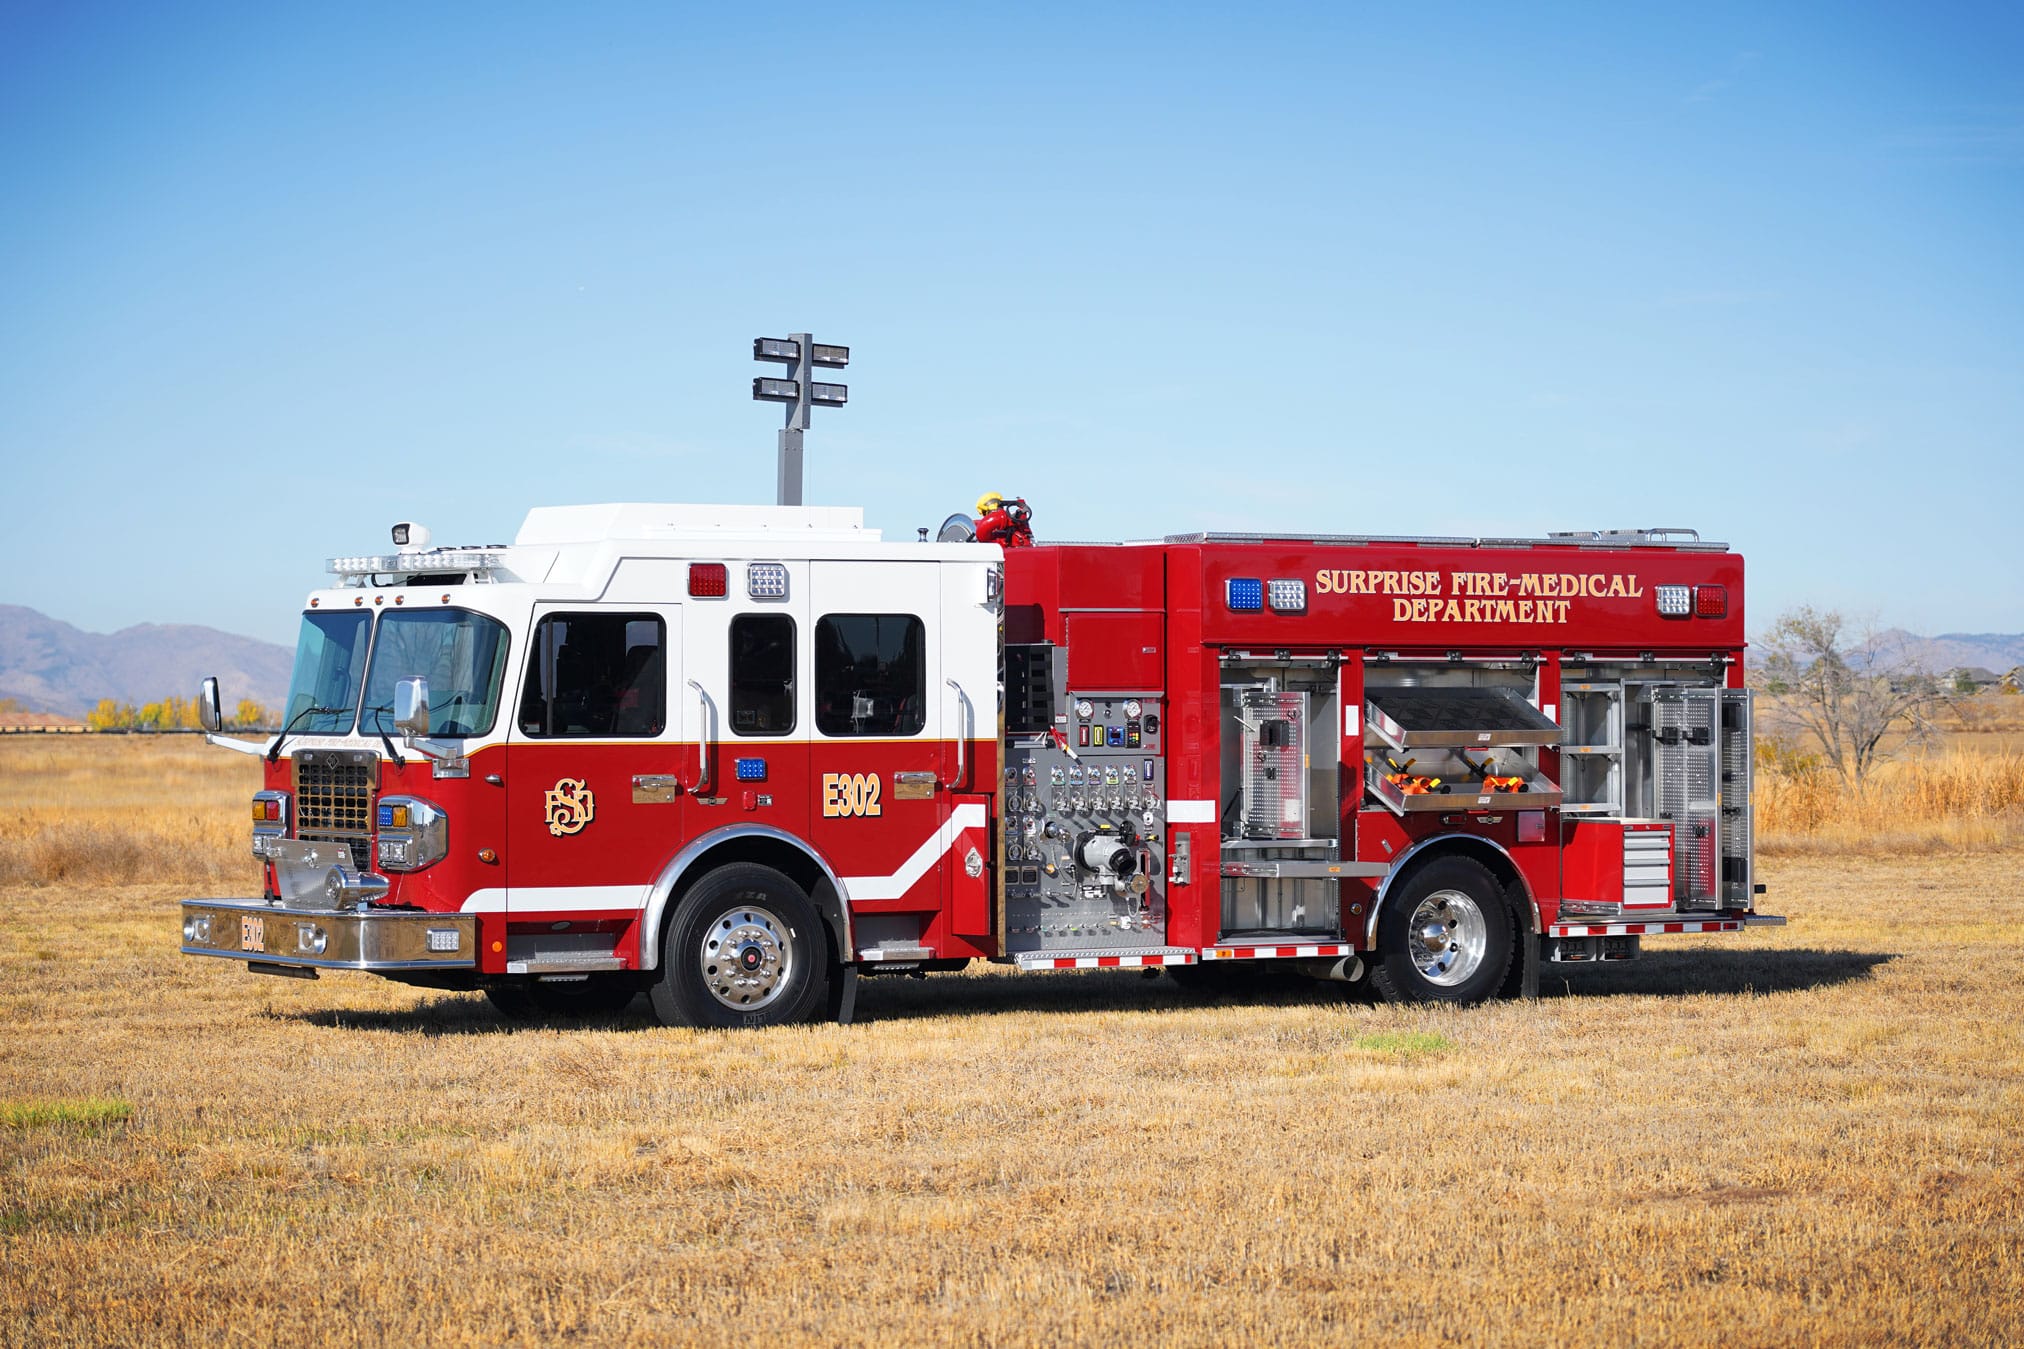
<point>50,666</point>
<point>1996,652</point>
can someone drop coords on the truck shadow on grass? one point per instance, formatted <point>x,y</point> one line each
<point>897,998</point>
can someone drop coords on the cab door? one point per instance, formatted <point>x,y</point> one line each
<point>593,777</point>
<point>884,761</point>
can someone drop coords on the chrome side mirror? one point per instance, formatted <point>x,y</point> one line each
<point>411,707</point>
<point>209,709</point>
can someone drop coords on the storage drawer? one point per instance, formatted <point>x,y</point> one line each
<point>1647,864</point>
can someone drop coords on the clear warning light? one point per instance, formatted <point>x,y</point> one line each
<point>1675,601</point>
<point>1287,596</point>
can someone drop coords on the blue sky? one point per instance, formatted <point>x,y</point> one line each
<point>274,278</point>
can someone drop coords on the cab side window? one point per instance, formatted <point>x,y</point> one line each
<point>762,674</point>
<point>596,675</point>
<point>871,675</point>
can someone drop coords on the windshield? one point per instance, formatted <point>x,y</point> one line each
<point>329,663</point>
<point>461,654</point>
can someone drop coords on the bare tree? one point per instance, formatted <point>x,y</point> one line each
<point>1847,690</point>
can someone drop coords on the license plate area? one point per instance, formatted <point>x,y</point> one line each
<point>252,932</point>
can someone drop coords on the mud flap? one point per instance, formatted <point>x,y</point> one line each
<point>1522,979</point>
<point>843,995</point>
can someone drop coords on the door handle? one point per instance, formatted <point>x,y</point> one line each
<point>962,735</point>
<point>704,743</point>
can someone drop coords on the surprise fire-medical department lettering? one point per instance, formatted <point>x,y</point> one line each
<point>1479,596</point>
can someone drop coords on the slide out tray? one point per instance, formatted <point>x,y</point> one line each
<point>1437,718</point>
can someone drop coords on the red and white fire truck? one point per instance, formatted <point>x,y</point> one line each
<point>738,757</point>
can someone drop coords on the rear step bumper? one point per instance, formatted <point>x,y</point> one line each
<point>278,940</point>
<point>1665,925</point>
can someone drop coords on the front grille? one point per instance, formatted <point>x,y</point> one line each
<point>334,797</point>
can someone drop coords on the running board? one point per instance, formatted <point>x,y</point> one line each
<point>567,963</point>
<point>1273,951</point>
<point>1105,960</point>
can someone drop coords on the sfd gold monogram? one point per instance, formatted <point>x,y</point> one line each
<point>570,807</point>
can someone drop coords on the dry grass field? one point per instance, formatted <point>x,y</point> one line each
<point>1802,1135</point>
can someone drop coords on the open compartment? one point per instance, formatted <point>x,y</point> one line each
<point>1282,863</point>
<point>1446,747</point>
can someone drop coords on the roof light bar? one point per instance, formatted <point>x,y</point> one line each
<point>481,561</point>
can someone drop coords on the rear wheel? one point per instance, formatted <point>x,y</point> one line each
<point>744,948</point>
<point>1445,936</point>
<point>595,996</point>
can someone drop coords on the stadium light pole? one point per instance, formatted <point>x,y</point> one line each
<point>802,394</point>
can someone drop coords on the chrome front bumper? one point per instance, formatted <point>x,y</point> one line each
<point>266,934</point>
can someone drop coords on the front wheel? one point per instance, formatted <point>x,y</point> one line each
<point>1445,936</point>
<point>744,948</point>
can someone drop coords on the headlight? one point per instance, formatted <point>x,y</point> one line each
<point>413,834</point>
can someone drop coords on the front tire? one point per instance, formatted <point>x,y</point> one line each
<point>745,948</point>
<point>1445,936</point>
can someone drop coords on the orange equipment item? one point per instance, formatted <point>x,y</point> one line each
<point>1493,782</point>
<point>1409,783</point>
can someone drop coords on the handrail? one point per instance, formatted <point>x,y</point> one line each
<point>962,736</point>
<point>704,745</point>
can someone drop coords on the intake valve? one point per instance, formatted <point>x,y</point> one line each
<point>1114,857</point>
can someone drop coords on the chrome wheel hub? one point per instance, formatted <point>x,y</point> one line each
<point>745,958</point>
<point>1446,937</point>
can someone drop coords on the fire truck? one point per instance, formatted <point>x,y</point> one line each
<point>740,757</point>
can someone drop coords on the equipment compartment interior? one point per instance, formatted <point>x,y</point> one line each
<point>1281,797</point>
<point>1435,742</point>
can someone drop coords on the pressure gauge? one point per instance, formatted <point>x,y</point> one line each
<point>1085,709</point>
<point>1132,707</point>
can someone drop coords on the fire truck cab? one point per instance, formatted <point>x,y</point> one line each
<point>737,757</point>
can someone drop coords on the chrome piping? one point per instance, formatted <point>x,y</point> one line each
<point>671,875</point>
<point>1398,864</point>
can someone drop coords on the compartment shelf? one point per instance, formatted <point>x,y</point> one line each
<point>1457,718</point>
<point>1539,792</point>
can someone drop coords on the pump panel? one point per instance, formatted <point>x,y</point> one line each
<point>1085,828</point>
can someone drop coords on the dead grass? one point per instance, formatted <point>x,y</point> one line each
<point>123,809</point>
<point>1958,799</point>
<point>1804,1135</point>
